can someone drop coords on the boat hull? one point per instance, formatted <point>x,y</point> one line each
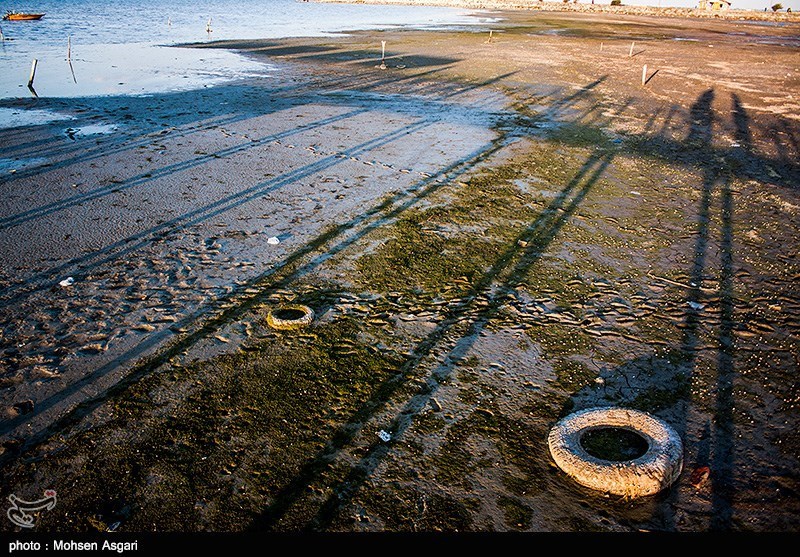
<point>22,17</point>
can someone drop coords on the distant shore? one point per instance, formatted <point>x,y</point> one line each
<point>586,7</point>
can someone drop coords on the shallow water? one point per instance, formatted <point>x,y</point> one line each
<point>13,117</point>
<point>119,47</point>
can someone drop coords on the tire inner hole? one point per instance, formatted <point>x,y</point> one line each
<point>614,443</point>
<point>289,314</point>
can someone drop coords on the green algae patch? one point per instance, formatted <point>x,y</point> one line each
<point>655,399</point>
<point>428,423</point>
<point>415,258</point>
<point>579,135</point>
<point>558,341</point>
<point>456,240</point>
<point>572,375</point>
<point>236,435</point>
<point>517,515</point>
<point>453,463</point>
<point>405,509</point>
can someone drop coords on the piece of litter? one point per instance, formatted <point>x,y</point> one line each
<point>734,144</point>
<point>273,241</point>
<point>634,192</point>
<point>699,476</point>
<point>385,437</point>
<point>695,305</point>
<point>599,380</point>
<point>67,281</point>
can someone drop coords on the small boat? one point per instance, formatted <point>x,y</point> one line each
<point>17,16</point>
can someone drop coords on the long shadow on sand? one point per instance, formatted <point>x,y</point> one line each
<point>328,243</point>
<point>514,263</point>
<point>494,286</point>
<point>129,244</point>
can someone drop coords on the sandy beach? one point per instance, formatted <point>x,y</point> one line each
<point>734,11</point>
<point>493,231</point>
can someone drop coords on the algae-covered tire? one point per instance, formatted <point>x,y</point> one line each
<point>648,474</point>
<point>293,316</point>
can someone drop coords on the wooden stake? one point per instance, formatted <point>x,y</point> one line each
<point>69,58</point>
<point>490,36</point>
<point>601,46</point>
<point>644,74</point>
<point>33,72</point>
<point>631,52</point>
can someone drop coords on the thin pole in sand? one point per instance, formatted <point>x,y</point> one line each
<point>601,46</point>
<point>33,72</point>
<point>631,52</point>
<point>383,55</point>
<point>208,26</point>
<point>169,22</point>
<point>2,37</point>
<point>644,74</point>
<point>69,58</point>
<point>490,36</point>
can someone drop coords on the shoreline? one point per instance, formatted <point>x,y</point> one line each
<point>104,62</point>
<point>584,7</point>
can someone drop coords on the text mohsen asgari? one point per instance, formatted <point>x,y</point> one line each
<point>72,545</point>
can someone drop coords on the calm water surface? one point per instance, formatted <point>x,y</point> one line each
<point>122,47</point>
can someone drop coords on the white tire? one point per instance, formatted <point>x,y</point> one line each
<point>648,474</point>
<point>304,318</point>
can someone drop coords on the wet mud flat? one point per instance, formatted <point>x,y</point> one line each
<point>492,233</point>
